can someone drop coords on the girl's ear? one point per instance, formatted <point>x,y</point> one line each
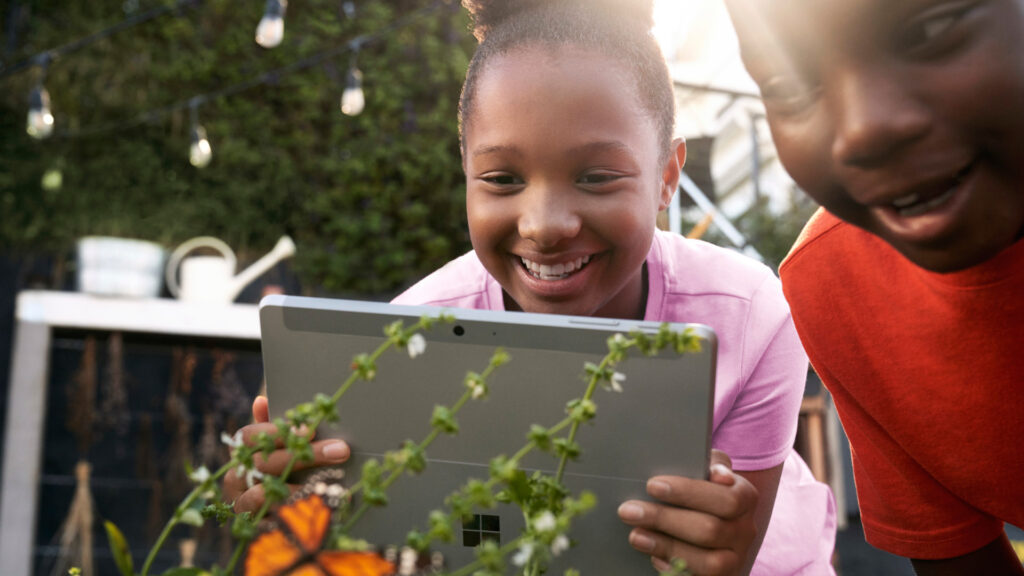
<point>670,174</point>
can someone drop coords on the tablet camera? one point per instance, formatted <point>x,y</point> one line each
<point>458,330</point>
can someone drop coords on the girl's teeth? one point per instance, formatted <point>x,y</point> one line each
<point>556,271</point>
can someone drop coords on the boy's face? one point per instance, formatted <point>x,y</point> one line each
<point>563,181</point>
<point>902,117</point>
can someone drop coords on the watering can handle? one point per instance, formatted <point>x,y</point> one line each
<point>171,272</point>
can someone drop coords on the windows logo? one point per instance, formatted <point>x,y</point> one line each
<point>480,528</point>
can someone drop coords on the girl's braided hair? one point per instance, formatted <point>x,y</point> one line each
<point>619,29</point>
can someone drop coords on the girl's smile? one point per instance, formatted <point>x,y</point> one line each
<point>565,177</point>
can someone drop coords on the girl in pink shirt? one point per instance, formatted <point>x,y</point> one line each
<point>566,117</point>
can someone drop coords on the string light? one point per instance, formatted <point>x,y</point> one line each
<point>270,77</point>
<point>200,152</point>
<point>352,99</point>
<point>40,118</point>
<point>270,31</point>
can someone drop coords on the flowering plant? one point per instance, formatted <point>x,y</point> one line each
<point>322,518</point>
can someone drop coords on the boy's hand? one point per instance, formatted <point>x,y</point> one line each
<point>708,523</point>
<point>246,499</point>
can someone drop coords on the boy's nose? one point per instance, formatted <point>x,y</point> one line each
<point>877,114</point>
<point>548,216</point>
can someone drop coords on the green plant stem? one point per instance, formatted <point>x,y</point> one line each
<point>335,398</point>
<point>205,486</point>
<point>423,445</point>
<point>200,489</point>
<point>591,387</point>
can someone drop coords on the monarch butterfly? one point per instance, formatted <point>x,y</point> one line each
<point>296,547</point>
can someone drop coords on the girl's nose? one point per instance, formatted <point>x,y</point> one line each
<point>877,114</point>
<point>548,216</point>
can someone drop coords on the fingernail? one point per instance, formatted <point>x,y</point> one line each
<point>660,565</point>
<point>641,542</point>
<point>658,488</point>
<point>721,470</point>
<point>631,512</point>
<point>335,451</point>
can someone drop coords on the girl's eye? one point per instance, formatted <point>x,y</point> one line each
<point>597,178</point>
<point>929,29</point>
<point>502,180</point>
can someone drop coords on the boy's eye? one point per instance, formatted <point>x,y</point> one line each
<point>926,30</point>
<point>787,94</point>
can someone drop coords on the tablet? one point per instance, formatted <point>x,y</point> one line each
<point>659,424</point>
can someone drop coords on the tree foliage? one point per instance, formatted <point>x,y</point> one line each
<point>373,201</point>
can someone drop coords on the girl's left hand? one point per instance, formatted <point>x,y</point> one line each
<point>708,523</point>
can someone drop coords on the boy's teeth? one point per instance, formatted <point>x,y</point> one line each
<point>905,201</point>
<point>555,271</point>
<point>923,207</point>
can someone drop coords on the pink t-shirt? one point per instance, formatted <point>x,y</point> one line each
<point>761,374</point>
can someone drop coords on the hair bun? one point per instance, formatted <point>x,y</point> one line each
<point>489,14</point>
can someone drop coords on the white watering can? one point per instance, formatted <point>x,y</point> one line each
<point>212,278</point>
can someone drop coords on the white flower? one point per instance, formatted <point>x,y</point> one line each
<point>616,382</point>
<point>478,391</point>
<point>232,441</point>
<point>545,522</point>
<point>560,544</point>
<point>200,475</point>
<point>416,345</point>
<point>251,476</point>
<point>521,557</point>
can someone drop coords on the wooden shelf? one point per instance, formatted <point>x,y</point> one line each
<point>39,316</point>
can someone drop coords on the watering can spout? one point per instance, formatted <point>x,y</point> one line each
<point>284,248</point>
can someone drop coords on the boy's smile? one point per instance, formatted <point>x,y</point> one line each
<point>564,181</point>
<point>903,118</point>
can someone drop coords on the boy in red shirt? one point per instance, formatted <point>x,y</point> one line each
<point>905,121</point>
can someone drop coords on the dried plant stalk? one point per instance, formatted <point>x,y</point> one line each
<point>75,534</point>
<point>82,398</point>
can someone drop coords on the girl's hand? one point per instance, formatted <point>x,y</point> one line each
<point>250,499</point>
<point>708,523</point>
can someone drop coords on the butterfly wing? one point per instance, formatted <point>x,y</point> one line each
<point>270,554</point>
<point>337,563</point>
<point>307,519</point>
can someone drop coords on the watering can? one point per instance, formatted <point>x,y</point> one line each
<point>212,278</point>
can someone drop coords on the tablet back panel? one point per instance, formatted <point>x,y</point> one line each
<point>659,424</point>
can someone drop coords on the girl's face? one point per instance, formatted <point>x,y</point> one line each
<point>564,181</point>
<point>905,118</point>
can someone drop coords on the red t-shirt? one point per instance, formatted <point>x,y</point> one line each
<point>927,374</point>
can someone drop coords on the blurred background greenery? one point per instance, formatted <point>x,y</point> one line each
<point>373,201</point>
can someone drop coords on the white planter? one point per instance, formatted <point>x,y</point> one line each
<point>111,266</point>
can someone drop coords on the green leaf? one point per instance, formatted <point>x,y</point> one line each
<point>185,572</point>
<point>119,548</point>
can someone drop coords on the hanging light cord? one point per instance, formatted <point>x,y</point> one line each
<point>265,78</point>
<point>54,53</point>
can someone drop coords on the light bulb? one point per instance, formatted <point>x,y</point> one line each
<point>52,180</point>
<point>270,30</point>
<point>40,119</point>
<point>200,153</point>
<point>352,99</point>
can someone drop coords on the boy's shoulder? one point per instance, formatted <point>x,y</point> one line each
<point>462,282</point>
<point>821,225</point>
